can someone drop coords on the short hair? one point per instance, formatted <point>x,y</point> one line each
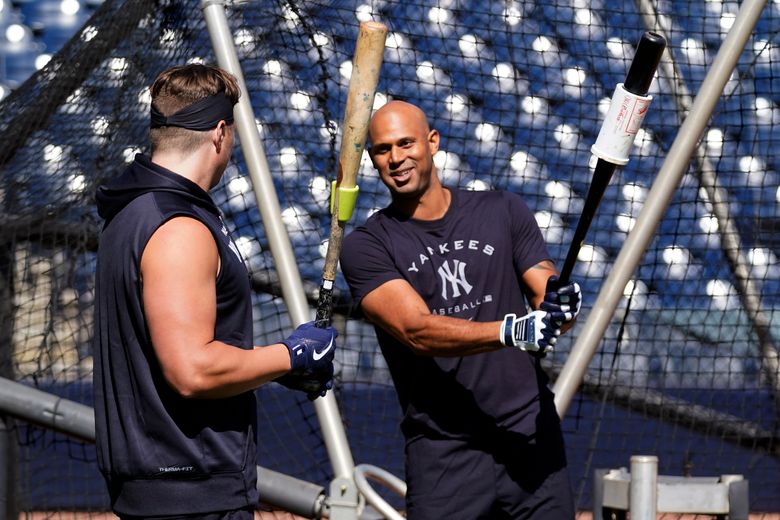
<point>179,87</point>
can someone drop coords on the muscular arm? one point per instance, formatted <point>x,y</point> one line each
<point>410,321</point>
<point>179,269</point>
<point>397,308</point>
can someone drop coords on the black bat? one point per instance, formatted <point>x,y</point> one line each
<point>640,76</point>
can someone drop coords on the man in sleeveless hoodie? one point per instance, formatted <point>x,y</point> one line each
<point>483,439</point>
<point>175,365</point>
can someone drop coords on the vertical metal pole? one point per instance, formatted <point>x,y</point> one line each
<point>9,466</point>
<point>344,497</point>
<point>643,491</point>
<point>598,493</point>
<point>8,473</point>
<point>656,204</point>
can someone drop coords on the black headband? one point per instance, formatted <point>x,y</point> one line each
<point>204,114</point>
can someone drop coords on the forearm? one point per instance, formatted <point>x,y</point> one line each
<point>435,335</point>
<point>218,370</point>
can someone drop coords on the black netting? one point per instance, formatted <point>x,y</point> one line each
<point>518,90</point>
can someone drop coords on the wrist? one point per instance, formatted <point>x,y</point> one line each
<point>273,360</point>
<point>505,333</point>
<point>280,356</point>
<point>285,356</point>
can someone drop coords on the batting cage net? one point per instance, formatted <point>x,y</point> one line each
<point>518,91</point>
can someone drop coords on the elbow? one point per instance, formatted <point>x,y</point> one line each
<point>186,389</point>
<point>189,385</point>
<point>415,339</point>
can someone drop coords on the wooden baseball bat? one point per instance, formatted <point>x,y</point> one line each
<point>366,64</point>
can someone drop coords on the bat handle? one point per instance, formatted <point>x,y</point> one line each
<point>598,186</point>
<point>568,267</point>
<point>324,305</point>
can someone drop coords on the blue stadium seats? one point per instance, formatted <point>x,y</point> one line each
<point>410,80</point>
<point>7,16</point>
<point>582,113</point>
<point>57,20</point>
<point>40,27</point>
<point>270,105</point>
<point>513,43</point>
<point>483,18</point>
<point>18,51</point>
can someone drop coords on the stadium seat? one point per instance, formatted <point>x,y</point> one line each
<point>482,18</point>
<point>56,20</point>
<point>582,113</point>
<point>20,64</point>
<point>8,15</point>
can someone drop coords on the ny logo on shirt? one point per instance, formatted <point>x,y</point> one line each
<point>454,278</point>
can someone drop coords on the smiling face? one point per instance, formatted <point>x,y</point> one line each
<point>402,149</point>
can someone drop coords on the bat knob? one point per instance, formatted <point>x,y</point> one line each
<point>648,55</point>
<point>553,284</point>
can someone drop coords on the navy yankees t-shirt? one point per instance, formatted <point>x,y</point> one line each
<point>469,265</point>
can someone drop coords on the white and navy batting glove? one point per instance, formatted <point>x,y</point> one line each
<point>535,332</point>
<point>563,302</point>
<point>311,359</point>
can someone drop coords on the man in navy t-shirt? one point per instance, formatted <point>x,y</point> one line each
<point>446,277</point>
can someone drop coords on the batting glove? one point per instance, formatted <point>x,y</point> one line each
<point>535,332</point>
<point>311,359</point>
<point>562,302</point>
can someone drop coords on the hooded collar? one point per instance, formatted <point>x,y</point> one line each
<point>144,176</point>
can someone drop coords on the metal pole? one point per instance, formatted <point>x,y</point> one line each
<point>643,490</point>
<point>47,410</point>
<point>345,502</point>
<point>9,464</point>
<point>7,471</point>
<point>656,204</point>
<point>78,421</point>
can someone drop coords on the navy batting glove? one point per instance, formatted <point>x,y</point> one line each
<point>313,387</point>
<point>311,359</point>
<point>562,302</point>
<point>535,332</point>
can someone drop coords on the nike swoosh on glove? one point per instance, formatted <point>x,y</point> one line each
<point>311,352</point>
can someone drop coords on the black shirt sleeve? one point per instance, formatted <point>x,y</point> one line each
<point>366,263</point>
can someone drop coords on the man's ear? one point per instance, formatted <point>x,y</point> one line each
<point>218,135</point>
<point>433,141</point>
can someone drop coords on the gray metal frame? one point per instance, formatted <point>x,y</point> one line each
<point>344,501</point>
<point>644,493</point>
<point>364,472</point>
<point>78,421</point>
